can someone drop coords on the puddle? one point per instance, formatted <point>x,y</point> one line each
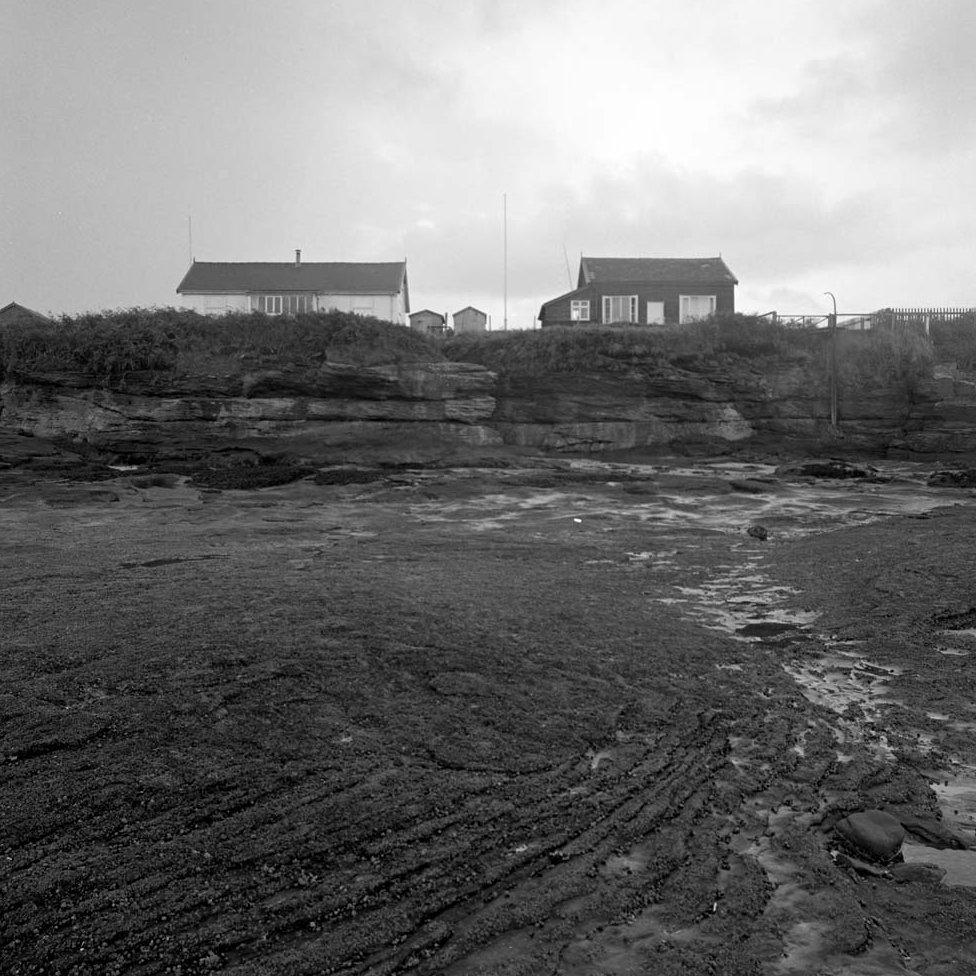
<point>840,679</point>
<point>744,604</point>
<point>960,866</point>
<point>853,688</point>
<point>957,799</point>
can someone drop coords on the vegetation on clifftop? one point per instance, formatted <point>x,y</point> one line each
<point>109,345</point>
<point>588,349</point>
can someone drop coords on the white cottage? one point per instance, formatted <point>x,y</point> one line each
<point>287,288</point>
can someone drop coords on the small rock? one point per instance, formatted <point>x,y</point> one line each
<point>861,867</point>
<point>822,468</point>
<point>926,873</point>
<point>874,833</point>
<point>955,478</point>
<point>758,532</point>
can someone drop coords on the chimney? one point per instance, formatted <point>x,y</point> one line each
<point>298,256</point>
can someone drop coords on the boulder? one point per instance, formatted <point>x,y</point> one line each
<point>926,873</point>
<point>929,831</point>
<point>873,833</point>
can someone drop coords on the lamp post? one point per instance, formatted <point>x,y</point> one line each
<point>832,325</point>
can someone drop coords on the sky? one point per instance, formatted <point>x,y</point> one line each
<point>818,146</point>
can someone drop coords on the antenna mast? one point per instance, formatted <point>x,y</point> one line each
<point>569,274</point>
<point>505,221</point>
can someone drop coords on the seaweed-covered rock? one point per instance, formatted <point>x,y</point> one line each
<point>823,468</point>
<point>926,873</point>
<point>874,833</point>
<point>953,478</point>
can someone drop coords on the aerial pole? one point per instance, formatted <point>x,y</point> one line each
<point>505,248</point>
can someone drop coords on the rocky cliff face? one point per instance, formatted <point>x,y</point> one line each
<point>429,409</point>
<point>312,412</point>
<point>679,409</point>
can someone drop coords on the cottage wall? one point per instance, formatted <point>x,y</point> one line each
<point>470,320</point>
<point>219,304</point>
<point>390,308</point>
<point>426,322</point>
<point>558,312</point>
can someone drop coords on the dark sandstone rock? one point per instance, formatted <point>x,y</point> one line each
<point>426,409</point>
<point>751,486</point>
<point>858,866</point>
<point>932,832</point>
<point>758,532</point>
<point>822,468</point>
<point>874,833</point>
<point>953,478</point>
<point>926,873</point>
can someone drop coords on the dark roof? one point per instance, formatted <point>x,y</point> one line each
<point>470,308</point>
<point>13,312</point>
<point>654,270</point>
<point>321,277</point>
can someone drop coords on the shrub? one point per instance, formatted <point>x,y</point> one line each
<point>110,345</point>
<point>955,340</point>
<point>896,359</point>
<point>624,348</point>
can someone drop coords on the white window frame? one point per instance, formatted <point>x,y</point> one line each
<point>579,310</point>
<point>684,314</point>
<point>608,306</point>
<point>285,303</point>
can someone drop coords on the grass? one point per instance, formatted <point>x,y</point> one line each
<point>897,360</point>
<point>622,349</point>
<point>109,345</point>
<point>956,340</point>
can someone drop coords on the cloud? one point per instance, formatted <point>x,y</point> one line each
<point>904,81</point>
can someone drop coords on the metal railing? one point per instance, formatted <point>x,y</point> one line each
<point>919,317</point>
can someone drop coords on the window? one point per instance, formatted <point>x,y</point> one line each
<point>285,304</point>
<point>619,308</point>
<point>694,307</point>
<point>579,311</point>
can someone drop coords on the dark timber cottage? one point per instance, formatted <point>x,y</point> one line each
<point>644,291</point>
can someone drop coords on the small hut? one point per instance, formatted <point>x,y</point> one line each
<point>431,323</point>
<point>470,320</point>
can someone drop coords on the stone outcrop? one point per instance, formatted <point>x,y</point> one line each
<point>431,408</point>
<point>720,407</point>
<point>313,412</point>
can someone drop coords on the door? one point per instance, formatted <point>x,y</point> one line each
<point>655,313</point>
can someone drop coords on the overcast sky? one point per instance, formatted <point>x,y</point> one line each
<point>826,145</point>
